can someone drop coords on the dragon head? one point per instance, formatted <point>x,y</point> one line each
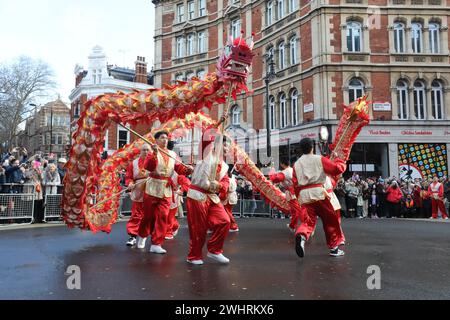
<point>235,62</point>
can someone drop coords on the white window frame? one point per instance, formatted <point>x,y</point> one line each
<point>283,111</point>
<point>293,50</point>
<point>235,116</point>
<point>416,37</point>
<point>399,37</point>
<point>294,107</point>
<point>119,129</point>
<point>191,10</point>
<point>420,109</point>
<point>269,13</point>
<point>281,56</point>
<point>180,12</point>
<point>272,113</point>
<point>201,44</point>
<point>235,28</point>
<point>352,28</point>
<point>354,88</point>
<point>433,29</point>
<point>280,9</point>
<point>201,8</point>
<point>179,46</point>
<point>190,44</point>
<point>437,92</point>
<point>402,100</point>
<point>292,5</point>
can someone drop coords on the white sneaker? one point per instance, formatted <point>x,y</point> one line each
<point>292,230</point>
<point>234,230</point>
<point>141,242</point>
<point>157,249</point>
<point>218,257</point>
<point>168,237</point>
<point>336,252</point>
<point>196,262</point>
<point>131,241</point>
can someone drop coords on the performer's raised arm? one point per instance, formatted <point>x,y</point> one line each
<point>333,168</point>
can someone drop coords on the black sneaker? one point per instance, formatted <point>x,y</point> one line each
<point>131,241</point>
<point>300,245</point>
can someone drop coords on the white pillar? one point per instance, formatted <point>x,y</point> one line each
<point>393,159</point>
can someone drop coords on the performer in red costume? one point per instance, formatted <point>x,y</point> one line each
<point>135,179</point>
<point>309,178</point>
<point>204,209</point>
<point>284,177</point>
<point>159,193</point>
<point>436,190</point>
<point>181,185</point>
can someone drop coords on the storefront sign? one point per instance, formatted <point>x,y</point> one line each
<point>381,106</point>
<point>309,107</point>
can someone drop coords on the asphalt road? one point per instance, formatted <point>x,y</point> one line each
<point>413,259</point>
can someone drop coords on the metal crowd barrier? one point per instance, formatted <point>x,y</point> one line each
<point>17,203</point>
<point>52,205</point>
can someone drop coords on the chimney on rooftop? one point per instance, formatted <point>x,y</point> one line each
<point>140,70</point>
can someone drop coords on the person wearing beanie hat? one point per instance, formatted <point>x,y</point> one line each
<point>204,207</point>
<point>159,192</point>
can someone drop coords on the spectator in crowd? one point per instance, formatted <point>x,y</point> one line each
<point>426,200</point>
<point>408,207</point>
<point>373,202</point>
<point>341,194</point>
<point>394,196</point>
<point>14,175</point>
<point>33,182</point>
<point>2,180</point>
<point>352,198</point>
<point>360,200</point>
<point>51,179</point>
<point>417,200</point>
<point>381,196</point>
<point>62,172</point>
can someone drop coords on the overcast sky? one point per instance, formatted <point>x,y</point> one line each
<point>63,33</point>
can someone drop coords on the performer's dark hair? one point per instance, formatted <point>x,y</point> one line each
<point>306,145</point>
<point>170,144</point>
<point>285,161</point>
<point>160,133</point>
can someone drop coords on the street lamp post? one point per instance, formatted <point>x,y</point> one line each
<point>270,75</point>
<point>51,128</point>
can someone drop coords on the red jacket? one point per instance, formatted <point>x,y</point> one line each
<point>394,195</point>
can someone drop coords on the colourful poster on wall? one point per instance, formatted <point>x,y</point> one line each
<point>422,160</point>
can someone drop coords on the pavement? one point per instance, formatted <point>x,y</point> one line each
<point>413,257</point>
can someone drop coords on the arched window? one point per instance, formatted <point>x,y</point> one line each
<point>201,74</point>
<point>180,47</point>
<point>189,75</point>
<point>399,37</point>
<point>283,111</point>
<point>437,100</point>
<point>272,113</point>
<point>280,8</point>
<point>293,50</point>
<point>355,89</point>
<point>354,36</point>
<point>235,115</point>
<point>416,37</point>
<point>190,44</point>
<point>294,107</point>
<point>281,56</point>
<point>419,100</point>
<point>434,37</point>
<point>269,13</point>
<point>402,100</point>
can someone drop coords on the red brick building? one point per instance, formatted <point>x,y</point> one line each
<point>327,53</point>
<point>100,78</point>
